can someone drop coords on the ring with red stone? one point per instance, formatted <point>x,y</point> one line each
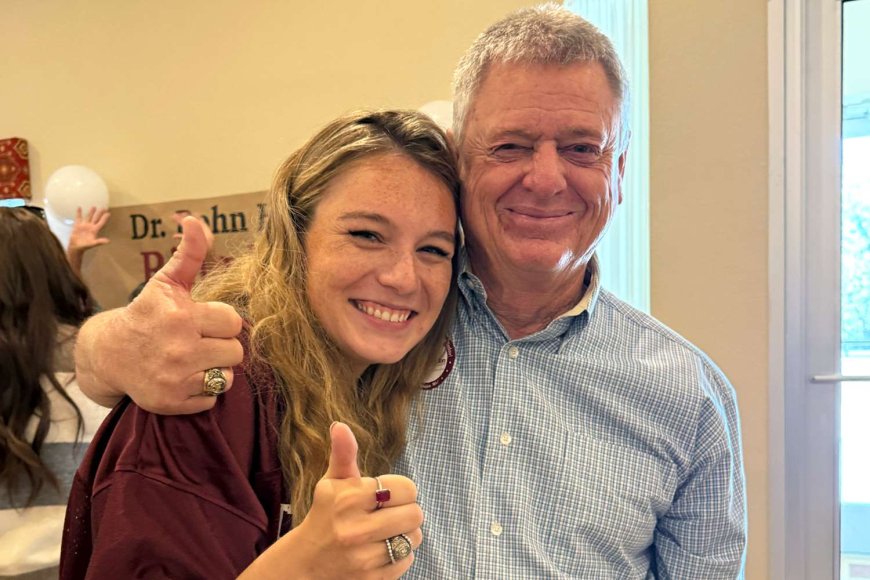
<point>382,494</point>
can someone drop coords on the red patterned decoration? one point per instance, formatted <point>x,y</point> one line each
<point>14,168</point>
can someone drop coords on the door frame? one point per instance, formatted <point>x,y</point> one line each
<point>804,67</point>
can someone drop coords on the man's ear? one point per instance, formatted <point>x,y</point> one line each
<point>621,168</point>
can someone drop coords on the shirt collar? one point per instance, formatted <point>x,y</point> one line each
<point>592,288</point>
<point>592,285</point>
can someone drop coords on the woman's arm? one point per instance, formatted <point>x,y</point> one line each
<point>200,496</point>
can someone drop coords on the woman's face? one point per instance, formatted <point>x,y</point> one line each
<point>379,250</point>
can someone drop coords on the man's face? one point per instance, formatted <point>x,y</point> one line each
<point>539,168</point>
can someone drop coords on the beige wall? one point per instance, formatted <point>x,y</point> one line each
<point>708,105</point>
<point>170,100</point>
<point>195,98</point>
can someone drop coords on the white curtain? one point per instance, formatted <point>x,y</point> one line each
<point>624,253</point>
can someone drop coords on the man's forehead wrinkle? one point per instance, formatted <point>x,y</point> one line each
<point>547,105</point>
<point>550,124</point>
<point>561,136</point>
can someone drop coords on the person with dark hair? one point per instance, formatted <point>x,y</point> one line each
<point>347,297</point>
<point>45,421</point>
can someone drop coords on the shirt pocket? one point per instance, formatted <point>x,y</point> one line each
<point>605,506</point>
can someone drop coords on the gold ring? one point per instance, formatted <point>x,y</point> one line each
<point>214,382</point>
<point>399,547</point>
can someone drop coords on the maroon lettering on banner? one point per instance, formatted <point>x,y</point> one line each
<point>152,262</point>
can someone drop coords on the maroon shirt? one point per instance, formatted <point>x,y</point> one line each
<point>189,496</point>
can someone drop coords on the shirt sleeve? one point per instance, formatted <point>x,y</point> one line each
<point>177,496</point>
<point>703,534</point>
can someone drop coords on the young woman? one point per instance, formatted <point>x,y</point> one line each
<point>43,415</point>
<point>347,296</point>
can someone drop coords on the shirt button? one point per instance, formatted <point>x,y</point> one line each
<point>513,352</point>
<point>495,528</point>
<point>505,439</point>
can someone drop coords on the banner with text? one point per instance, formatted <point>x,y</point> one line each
<point>142,240</point>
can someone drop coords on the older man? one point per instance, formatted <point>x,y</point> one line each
<point>572,436</point>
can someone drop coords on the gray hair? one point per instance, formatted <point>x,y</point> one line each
<point>545,34</point>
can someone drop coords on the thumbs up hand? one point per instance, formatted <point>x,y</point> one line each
<point>342,454</point>
<point>344,534</point>
<point>157,348</point>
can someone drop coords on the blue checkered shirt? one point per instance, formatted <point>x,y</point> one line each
<point>604,446</point>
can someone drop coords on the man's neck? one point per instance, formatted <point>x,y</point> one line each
<point>525,303</point>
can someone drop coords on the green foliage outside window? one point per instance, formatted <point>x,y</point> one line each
<point>855,325</point>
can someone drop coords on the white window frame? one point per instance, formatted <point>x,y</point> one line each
<point>804,52</point>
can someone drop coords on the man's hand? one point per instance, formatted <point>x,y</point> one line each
<point>179,216</point>
<point>157,348</point>
<point>85,235</point>
<point>343,535</point>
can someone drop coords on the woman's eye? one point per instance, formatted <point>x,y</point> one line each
<point>365,235</point>
<point>435,250</point>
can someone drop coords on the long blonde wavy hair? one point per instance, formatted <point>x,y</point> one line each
<point>267,286</point>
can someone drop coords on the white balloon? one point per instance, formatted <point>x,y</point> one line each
<point>439,111</point>
<point>71,187</point>
<point>59,228</point>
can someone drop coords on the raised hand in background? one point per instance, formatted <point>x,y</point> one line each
<point>85,235</point>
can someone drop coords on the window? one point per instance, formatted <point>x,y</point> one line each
<point>624,252</point>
